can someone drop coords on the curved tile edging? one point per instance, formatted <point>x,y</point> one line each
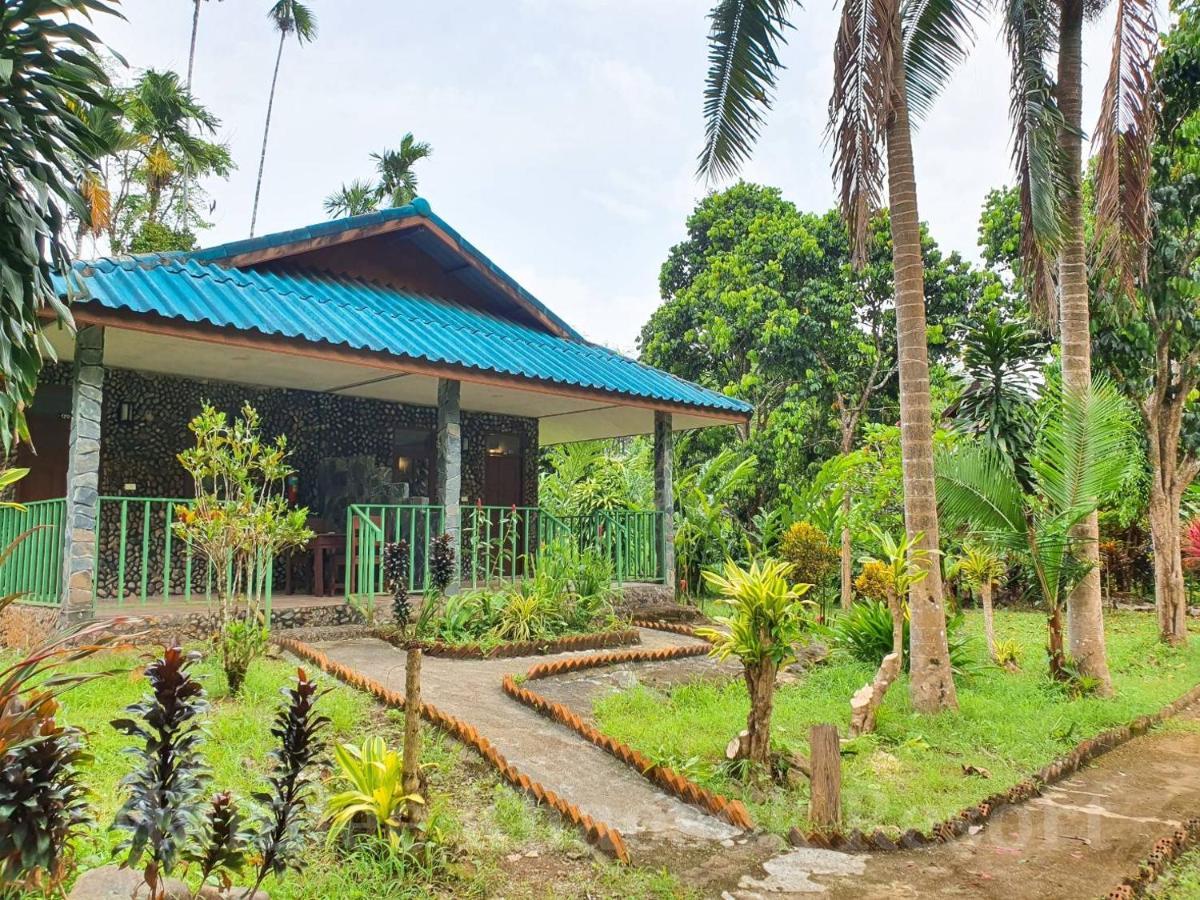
<point>601,641</point>
<point>600,835</point>
<point>1165,851</point>
<point>732,811</point>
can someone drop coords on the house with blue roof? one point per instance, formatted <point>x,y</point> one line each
<point>414,379</point>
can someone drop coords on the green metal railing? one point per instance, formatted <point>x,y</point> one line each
<point>34,568</point>
<point>140,558</point>
<point>371,525</point>
<point>628,537</point>
<point>498,542</point>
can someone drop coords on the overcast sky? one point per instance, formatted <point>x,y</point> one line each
<point>565,132</point>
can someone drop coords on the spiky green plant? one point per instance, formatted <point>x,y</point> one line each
<point>1077,461</point>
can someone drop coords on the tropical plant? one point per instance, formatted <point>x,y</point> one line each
<point>396,183</point>
<point>887,57</point>
<point>867,633</point>
<point>289,17</point>
<point>874,581</point>
<point>441,563</point>
<point>981,568</point>
<point>1191,546</point>
<point>1001,360</point>
<point>766,619</point>
<point>906,563</point>
<point>1077,461</point>
<point>49,72</point>
<point>706,529</point>
<point>221,849</point>
<point>814,559</point>
<point>281,827</point>
<point>375,792</point>
<point>239,521</point>
<point>589,476</point>
<point>164,801</point>
<point>1046,112</point>
<point>395,578</point>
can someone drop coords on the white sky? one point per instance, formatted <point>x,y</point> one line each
<point>565,132</point>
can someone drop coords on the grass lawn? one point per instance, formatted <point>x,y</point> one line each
<point>499,843</point>
<point>1182,880</point>
<point>910,772</point>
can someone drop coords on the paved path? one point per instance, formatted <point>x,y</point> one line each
<point>596,782</point>
<point>1076,841</point>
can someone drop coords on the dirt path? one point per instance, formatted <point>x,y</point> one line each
<point>1076,841</point>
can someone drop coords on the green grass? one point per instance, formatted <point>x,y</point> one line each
<point>482,821</point>
<point>909,774</point>
<point>1182,880</point>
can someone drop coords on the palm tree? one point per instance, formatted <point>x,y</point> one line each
<point>888,55</point>
<point>352,199</point>
<point>1079,460</point>
<point>192,45</point>
<point>50,62</point>
<point>289,17</point>
<point>397,180</point>
<point>1048,153</point>
<point>981,568</point>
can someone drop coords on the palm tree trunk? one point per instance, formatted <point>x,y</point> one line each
<point>262,157</point>
<point>847,564</point>
<point>192,48</point>
<point>1163,417</point>
<point>1085,614</point>
<point>989,623</point>
<point>760,685</point>
<point>931,683</point>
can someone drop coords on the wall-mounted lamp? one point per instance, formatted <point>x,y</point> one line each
<point>124,411</point>
<point>403,464</point>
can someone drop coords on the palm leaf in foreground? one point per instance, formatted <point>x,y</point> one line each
<point>743,58</point>
<point>938,35</point>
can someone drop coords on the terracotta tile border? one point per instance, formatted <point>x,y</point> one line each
<point>617,638</point>
<point>600,835</point>
<point>1165,851</point>
<point>732,811</point>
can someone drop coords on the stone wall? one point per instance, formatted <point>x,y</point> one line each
<point>140,448</point>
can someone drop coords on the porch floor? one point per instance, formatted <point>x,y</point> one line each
<point>165,606</point>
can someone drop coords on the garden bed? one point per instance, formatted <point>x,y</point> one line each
<point>915,771</point>
<point>600,640</point>
<point>497,842</point>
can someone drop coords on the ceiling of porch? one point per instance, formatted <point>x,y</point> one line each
<point>562,417</point>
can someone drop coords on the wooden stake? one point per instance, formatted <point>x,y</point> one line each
<point>825,805</point>
<point>412,732</point>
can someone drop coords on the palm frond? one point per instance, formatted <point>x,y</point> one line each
<point>977,488</point>
<point>1123,138</point>
<point>938,35</point>
<point>1081,452</point>
<point>1031,33</point>
<point>863,67</point>
<point>293,17</point>
<point>743,65</point>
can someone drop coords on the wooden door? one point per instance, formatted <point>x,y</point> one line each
<point>502,480</point>
<point>47,478</point>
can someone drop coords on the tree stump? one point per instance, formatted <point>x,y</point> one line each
<point>867,698</point>
<point>412,733</point>
<point>825,803</point>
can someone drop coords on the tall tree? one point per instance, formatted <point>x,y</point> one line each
<point>887,55</point>
<point>1150,341</point>
<point>289,17</point>
<point>49,72</point>
<point>396,182</point>
<point>1046,110</point>
<point>188,83</point>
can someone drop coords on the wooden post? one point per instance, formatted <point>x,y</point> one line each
<point>825,804</point>
<point>412,732</point>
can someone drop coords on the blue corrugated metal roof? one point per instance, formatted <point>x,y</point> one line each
<point>419,207</point>
<point>365,315</point>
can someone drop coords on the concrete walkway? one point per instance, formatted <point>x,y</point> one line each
<point>1076,841</point>
<point>597,783</point>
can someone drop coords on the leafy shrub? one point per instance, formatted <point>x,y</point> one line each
<point>808,549</point>
<point>395,577</point>
<point>241,642</point>
<point>874,581</point>
<point>524,616</point>
<point>865,632</point>
<point>375,776</point>
<point>1191,546</point>
<point>1008,653</point>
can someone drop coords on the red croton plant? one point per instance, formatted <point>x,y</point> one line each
<point>1191,546</point>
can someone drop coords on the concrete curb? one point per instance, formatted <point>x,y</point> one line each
<point>732,811</point>
<point>1165,851</point>
<point>600,835</point>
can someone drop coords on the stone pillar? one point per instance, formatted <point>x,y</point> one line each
<point>664,496</point>
<point>83,475</point>
<point>449,459</point>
